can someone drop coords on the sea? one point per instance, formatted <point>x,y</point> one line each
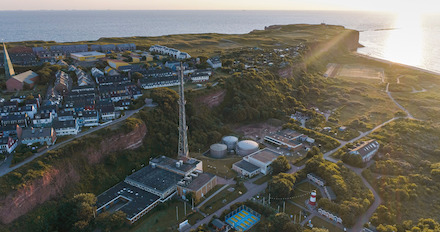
<point>409,38</point>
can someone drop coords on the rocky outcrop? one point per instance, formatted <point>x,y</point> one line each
<point>56,178</point>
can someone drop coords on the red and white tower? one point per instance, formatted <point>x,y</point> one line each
<point>312,200</point>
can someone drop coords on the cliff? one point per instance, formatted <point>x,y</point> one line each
<point>65,172</point>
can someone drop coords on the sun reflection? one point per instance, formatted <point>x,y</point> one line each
<point>405,42</point>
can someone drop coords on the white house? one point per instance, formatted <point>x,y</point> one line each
<point>68,127</point>
<point>215,62</point>
<point>42,119</point>
<point>199,77</point>
<point>176,54</point>
<point>151,83</point>
<point>366,149</point>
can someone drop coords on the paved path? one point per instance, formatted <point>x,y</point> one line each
<point>212,195</point>
<point>253,190</point>
<point>5,166</point>
<point>395,102</point>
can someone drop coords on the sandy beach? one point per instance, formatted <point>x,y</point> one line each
<point>395,63</point>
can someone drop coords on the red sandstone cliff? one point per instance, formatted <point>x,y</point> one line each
<point>54,180</point>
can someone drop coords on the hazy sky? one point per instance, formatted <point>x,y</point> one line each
<point>368,5</point>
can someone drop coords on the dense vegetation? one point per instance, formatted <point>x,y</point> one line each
<point>406,172</point>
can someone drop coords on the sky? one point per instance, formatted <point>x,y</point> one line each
<point>396,6</point>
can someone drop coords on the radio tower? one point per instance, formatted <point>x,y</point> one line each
<point>183,139</point>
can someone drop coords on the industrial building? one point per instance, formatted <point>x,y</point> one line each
<point>288,139</point>
<point>87,56</point>
<point>262,159</point>
<point>158,182</point>
<point>245,168</point>
<point>199,185</point>
<point>246,147</point>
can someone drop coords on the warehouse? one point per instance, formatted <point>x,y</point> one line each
<point>87,56</point>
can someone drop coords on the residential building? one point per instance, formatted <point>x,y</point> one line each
<point>366,149</point>
<point>108,113</point>
<point>68,127</point>
<point>199,77</point>
<point>125,47</point>
<point>63,83</point>
<point>65,115</point>
<point>43,120</point>
<point>97,73</point>
<point>8,144</point>
<point>22,80</point>
<point>38,135</point>
<point>174,53</point>
<point>151,83</point>
<point>88,118</point>
<point>214,62</point>
<point>122,104</point>
<point>21,119</point>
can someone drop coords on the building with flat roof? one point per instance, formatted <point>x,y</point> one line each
<point>262,159</point>
<point>197,183</point>
<point>155,180</point>
<point>366,149</point>
<point>87,56</point>
<point>143,190</point>
<point>38,135</point>
<point>245,168</point>
<point>133,201</point>
<point>288,139</point>
<point>177,166</point>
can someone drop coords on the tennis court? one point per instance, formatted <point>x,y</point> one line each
<point>242,219</point>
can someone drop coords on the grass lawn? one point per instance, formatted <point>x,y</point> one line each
<point>219,167</point>
<point>263,179</point>
<point>304,191</point>
<point>320,223</point>
<point>217,187</point>
<point>164,219</point>
<point>222,199</point>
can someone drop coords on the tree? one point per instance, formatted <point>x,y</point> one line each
<point>109,222</point>
<point>77,213</point>
<point>281,185</point>
<point>313,151</point>
<point>280,164</point>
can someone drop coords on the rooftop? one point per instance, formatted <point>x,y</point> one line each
<point>171,165</point>
<point>198,182</point>
<point>243,164</point>
<point>137,199</point>
<point>366,147</point>
<point>36,132</point>
<point>85,54</point>
<point>155,178</point>
<point>26,77</point>
<point>265,155</point>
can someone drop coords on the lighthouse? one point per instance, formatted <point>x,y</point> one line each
<point>312,200</point>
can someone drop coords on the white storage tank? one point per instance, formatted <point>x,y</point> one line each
<point>246,147</point>
<point>230,141</point>
<point>218,150</point>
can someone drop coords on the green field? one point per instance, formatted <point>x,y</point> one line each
<point>219,167</point>
<point>222,198</point>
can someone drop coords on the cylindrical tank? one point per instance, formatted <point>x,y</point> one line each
<point>246,147</point>
<point>230,141</point>
<point>218,150</point>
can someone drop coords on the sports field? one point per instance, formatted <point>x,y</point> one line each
<point>243,220</point>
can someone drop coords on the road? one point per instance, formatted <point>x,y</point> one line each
<point>5,166</point>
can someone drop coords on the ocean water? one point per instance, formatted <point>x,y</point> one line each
<point>409,39</point>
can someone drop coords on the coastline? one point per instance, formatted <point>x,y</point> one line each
<point>395,63</point>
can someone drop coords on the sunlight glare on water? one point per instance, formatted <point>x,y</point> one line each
<point>405,43</point>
